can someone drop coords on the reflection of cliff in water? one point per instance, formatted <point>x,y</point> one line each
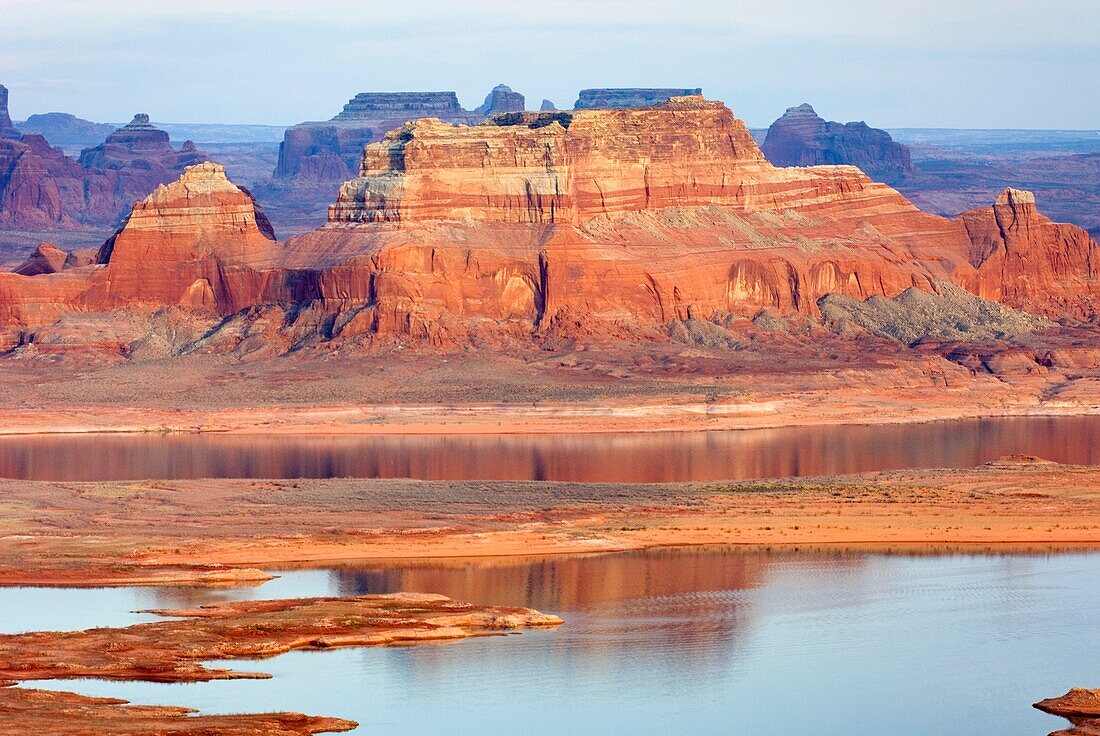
<point>667,604</point>
<point>614,458</point>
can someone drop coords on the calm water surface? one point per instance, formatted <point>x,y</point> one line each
<point>673,641</point>
<point>634,457</point>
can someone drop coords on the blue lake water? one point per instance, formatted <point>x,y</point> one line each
<point>704,641</point>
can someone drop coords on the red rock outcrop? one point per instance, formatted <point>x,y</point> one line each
<point>47,258</point>
<point>41,188</point>
<point>802,138</point>
<point>632,215</point>
<point>142,157</point>
<point>618,221</point>
<point>199,242</point>
<point>1025,260</point>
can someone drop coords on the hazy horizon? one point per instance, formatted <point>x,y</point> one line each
<point>980,64</point>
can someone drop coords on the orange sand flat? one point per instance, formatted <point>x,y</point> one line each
<point>104,533</point>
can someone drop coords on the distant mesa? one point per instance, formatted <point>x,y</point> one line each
<point>802,138</point>
<point>501,99</point>
<point>630,96</point>
<point>329,151</point>
<point>547,106</point>
<point>41,188</point>
<point>64,129</point>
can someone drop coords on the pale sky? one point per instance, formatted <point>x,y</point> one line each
<point>894,63</point>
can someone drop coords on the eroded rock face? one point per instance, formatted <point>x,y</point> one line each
<point>7,130</point>
<point>1025,260</point>
<point>194,243</point>
<point>330,150</point>
<point>630,96</point>
<point>614,222</point>
<point>637,216</point>
<point>41,188</point>
<point>802,138</point>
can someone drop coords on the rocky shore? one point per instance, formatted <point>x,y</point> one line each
<point>172,650</point>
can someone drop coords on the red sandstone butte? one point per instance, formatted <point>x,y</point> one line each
<point>612,219</point>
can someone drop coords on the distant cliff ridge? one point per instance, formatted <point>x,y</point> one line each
<point>42,188</point>
<point>329,151</point>
<point>630,96</point>
<point>64,129</point>
<point>802,138</point>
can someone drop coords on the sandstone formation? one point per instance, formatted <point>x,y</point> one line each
<point>629,96</point>
<point>185,244</point>
<point>618,222</point>
<point>64,129</point>
<point>1027,261</point>
<point>41,188</point>
<point>802,138</point>
<point>547,105</point>
<point>330,151</point>
<point>47,258</point>
<point>139,146</point>
<point>1080,707</point>
<point>7,130</point>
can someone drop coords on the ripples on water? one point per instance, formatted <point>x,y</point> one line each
<point>633,457</point>
<point>674,641</point>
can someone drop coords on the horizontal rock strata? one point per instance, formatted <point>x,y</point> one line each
<point>600,221</point>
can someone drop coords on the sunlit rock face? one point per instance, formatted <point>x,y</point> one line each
<point>615,222</point>
<point>1025,260</point>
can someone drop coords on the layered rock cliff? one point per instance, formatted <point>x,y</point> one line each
<point>631,215</point>
<point>199,242</point>
<point>802,138</point>
<point>330,150</point>
<point>610,221</point>
<point>1025,260</point>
